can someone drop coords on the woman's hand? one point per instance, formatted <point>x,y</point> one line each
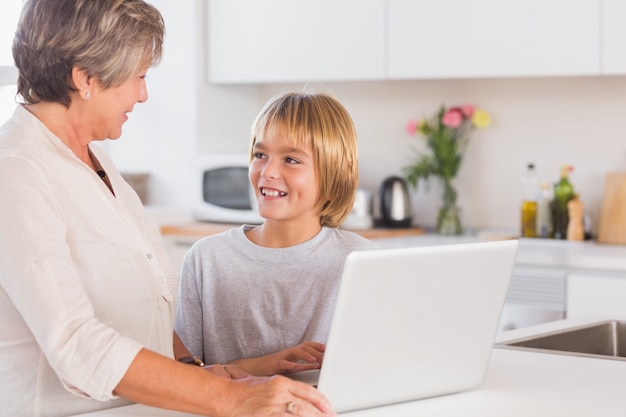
<point>277,396</point>
<point>218,390</point>
<point>230,371</point>
<point>305,356</point>
<point>270,396</point>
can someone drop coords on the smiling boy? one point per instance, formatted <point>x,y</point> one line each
<point>263,296</point>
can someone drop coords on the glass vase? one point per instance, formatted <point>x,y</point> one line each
<point>449,219</point>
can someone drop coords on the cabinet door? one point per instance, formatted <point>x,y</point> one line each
<point>596,294</point>
<point>177,247</point>
<point>493,38</point>
<point>613,37</point>
<point>253,41</point>
<point>536,295</point>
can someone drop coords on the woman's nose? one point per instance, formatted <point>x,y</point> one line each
<point>143,94</point>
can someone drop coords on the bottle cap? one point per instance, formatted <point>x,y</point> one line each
<point>566,169</point>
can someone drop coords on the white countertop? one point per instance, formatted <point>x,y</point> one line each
<point>585,255</point>
<point>518,384</point>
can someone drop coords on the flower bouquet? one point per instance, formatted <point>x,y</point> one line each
<point>447,135</point>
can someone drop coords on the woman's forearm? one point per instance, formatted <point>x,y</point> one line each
<point>158,381</point>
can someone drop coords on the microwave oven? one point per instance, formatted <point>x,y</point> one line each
<point>225,194</point>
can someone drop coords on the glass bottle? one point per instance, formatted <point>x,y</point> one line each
<point>544,216</point>
<point>563,193</point>
<point>530,185</point>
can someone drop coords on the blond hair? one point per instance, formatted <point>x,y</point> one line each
<point>110,39</point>
<point>319,121</point>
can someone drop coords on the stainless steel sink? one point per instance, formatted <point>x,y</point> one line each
<point>605,340</point>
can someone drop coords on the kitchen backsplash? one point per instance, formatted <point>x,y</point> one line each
<point>547,121</point>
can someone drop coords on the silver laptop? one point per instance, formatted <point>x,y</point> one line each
<point>413,323</point>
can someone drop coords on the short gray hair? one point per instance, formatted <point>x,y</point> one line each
<point>109,39</point>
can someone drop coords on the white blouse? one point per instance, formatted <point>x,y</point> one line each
<point>85,281</point>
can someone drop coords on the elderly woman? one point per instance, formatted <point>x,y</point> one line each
<point>86,288</point>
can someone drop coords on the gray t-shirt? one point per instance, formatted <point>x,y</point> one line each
<point>240,300</point>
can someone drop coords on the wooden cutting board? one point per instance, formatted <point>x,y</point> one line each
<point>612,226</point>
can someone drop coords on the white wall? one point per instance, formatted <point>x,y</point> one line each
<point>185,118</point>
<point>160,135</point>
<point>549,121</point>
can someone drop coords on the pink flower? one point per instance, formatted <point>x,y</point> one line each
<point>411,127</point>
<point>452,118</point>
<point>467,110</point>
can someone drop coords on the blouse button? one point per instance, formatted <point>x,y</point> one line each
<point>149,255</point>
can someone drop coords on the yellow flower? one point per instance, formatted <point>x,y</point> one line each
<point>422,126</point>
<point>481,118</point>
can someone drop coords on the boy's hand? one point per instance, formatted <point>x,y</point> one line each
<point>305,356</point>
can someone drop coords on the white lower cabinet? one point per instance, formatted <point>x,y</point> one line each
<point>596,293</point>
<point>536,295</point>
<point>177,247</point>
<point>543,294</point>
<point>516,316</point>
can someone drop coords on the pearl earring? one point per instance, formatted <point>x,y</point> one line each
<point>87,94</point>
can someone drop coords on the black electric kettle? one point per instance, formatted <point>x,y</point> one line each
<point>395,206</point>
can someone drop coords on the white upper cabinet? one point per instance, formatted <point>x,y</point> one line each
<point>494,38</point>
<point>613,37</point>
<point>261,41</point>
<point>267,41</point>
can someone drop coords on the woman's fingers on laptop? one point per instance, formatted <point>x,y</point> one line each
<point>279,396</point>
<point>309,402</point>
